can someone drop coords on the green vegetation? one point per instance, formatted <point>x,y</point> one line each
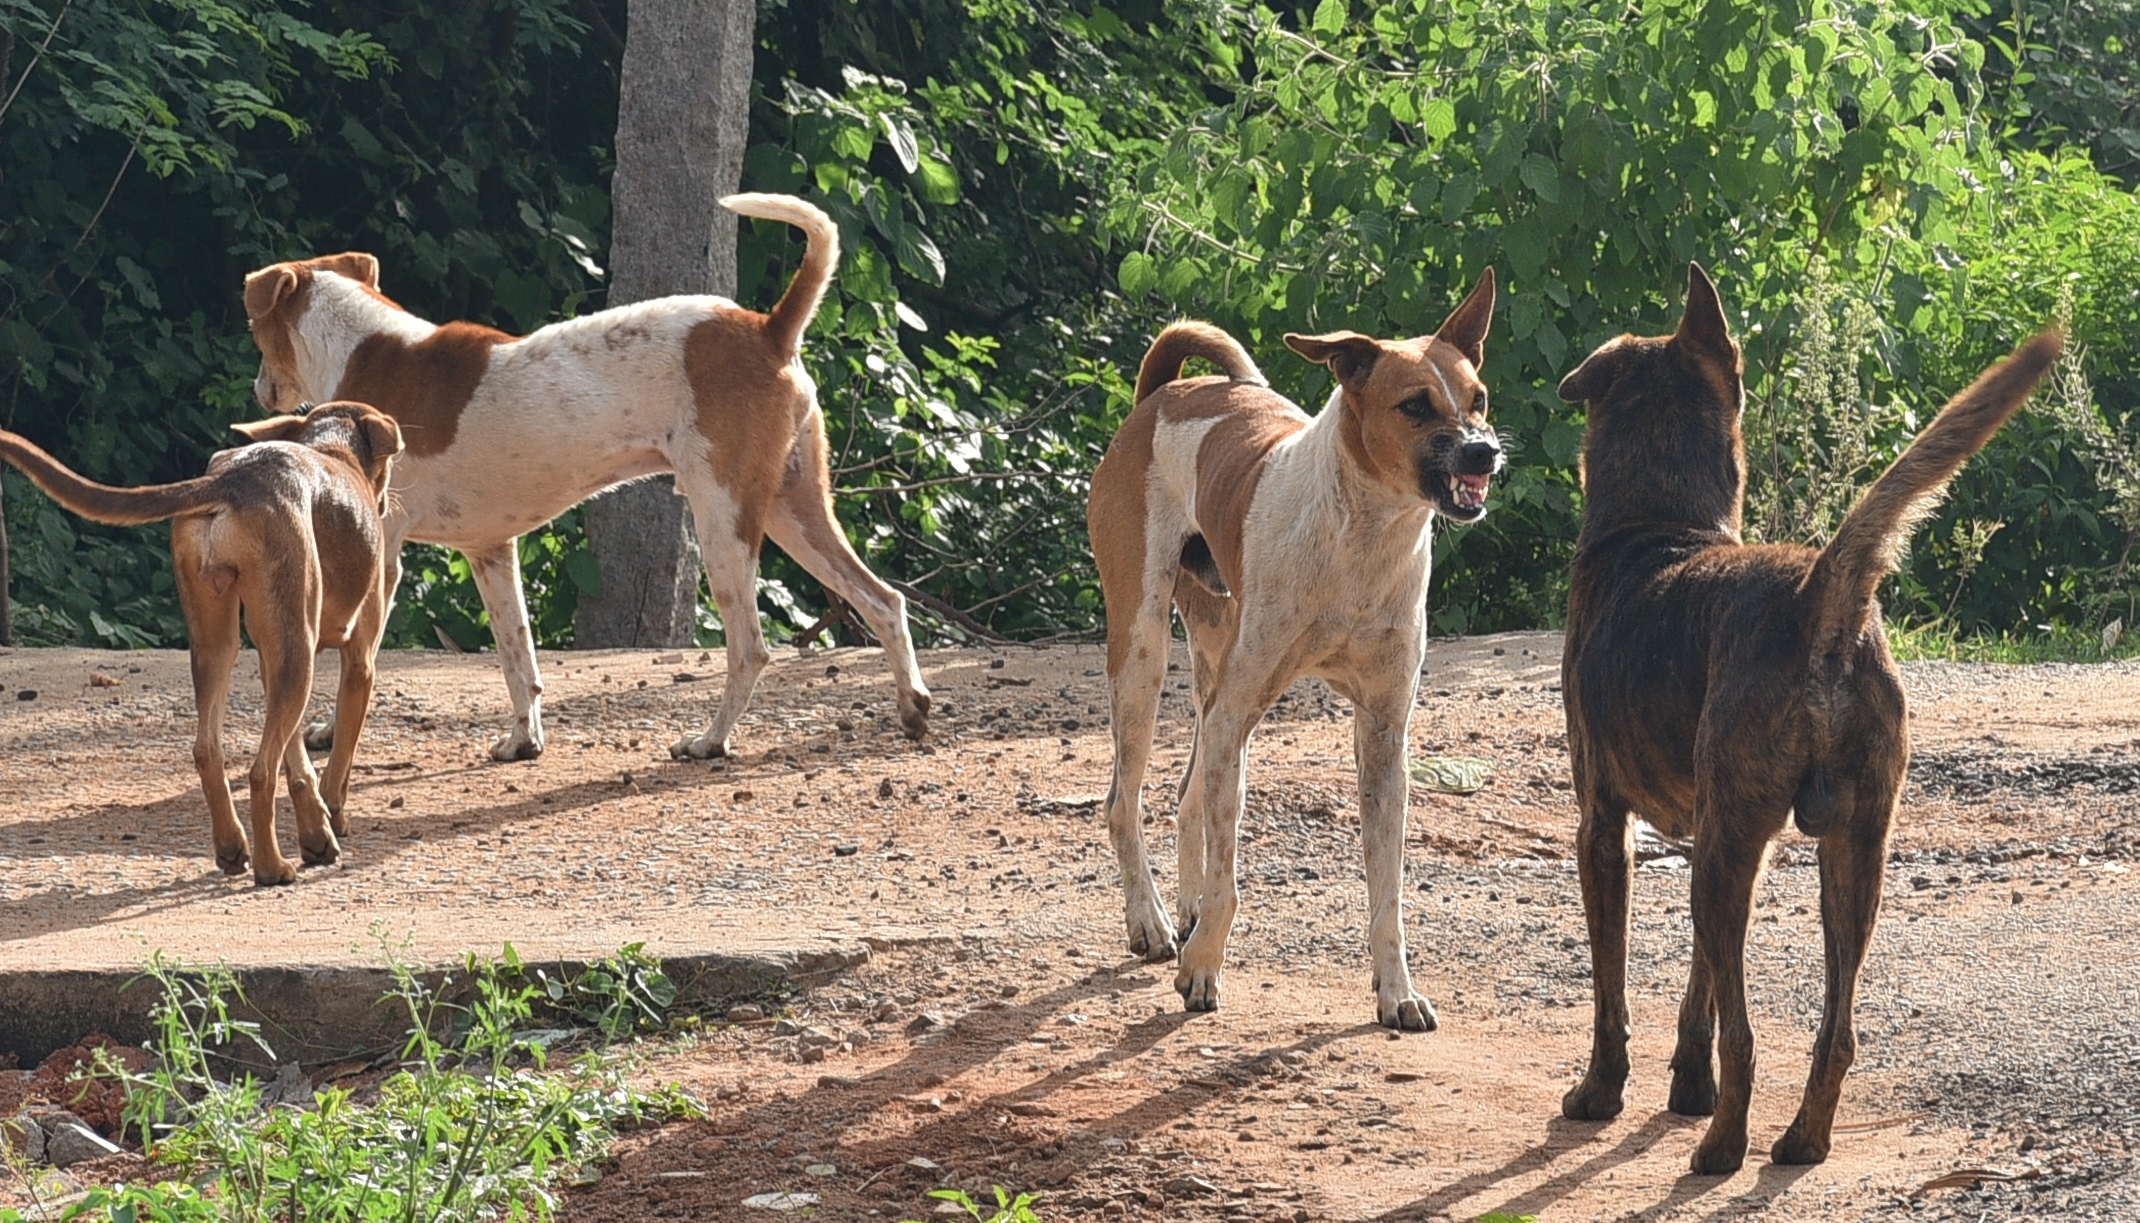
<point>1007,1209</point>
<point>476,1125</point>
<point>1890,192</point>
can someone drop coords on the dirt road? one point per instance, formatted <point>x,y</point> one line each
<point>1004,1037</point>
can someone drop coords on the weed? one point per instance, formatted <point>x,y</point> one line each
<point>478,1127</point>
<point>1007,1209</point>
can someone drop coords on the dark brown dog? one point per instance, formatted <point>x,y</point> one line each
<point>1718,689</point>
<point>288,531</point>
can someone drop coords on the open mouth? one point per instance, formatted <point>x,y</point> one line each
<point>1467,493</point>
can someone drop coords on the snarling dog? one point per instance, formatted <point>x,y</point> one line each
<point>505,434</point>
<point>285,531</point>
<point>1292,546</point>
<point>1718,689</point>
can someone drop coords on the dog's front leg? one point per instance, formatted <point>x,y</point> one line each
<point>497,574</point>
<point>1379,725</point>
<point>1604,844</point>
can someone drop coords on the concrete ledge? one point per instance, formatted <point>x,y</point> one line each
<point>334,1013</point>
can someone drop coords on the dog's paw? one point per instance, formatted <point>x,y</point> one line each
<point>914,715</point>
<point>1594,1099</point>
<point>233,861</point>
<point>1693,1094</point>
<point>337,821</point>
<point>1199,990</point>
<point>1407,1012</point>
<point>1718,1154</point>
<point>1151,939</point>
<point>326,853</point>
<point>699,747</point>
<point>1796,1148</point>
<point>515,746</point>
<point>319,736</point>
<point>275,874</point>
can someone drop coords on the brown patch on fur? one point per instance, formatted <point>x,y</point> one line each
<point>1716,690</point>
<point>424,386</point>
<point>286,534</point>
<point>749,404</point>
<point>1115,522</point>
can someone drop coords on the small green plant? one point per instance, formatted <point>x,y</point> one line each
<point>623,994</point>
<point>1008,1209</point>
<point>476,1127</point>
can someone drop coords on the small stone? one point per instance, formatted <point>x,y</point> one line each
<point>995,664</point>
<point>846,851</point>
<point>397,803</point>
<point>683,677</point>
<point>813,1054</point>
<point>787,1027</point>
<point>837,1081</point>
<point>831,670</point>
<point>927,1021</point>
<point>27,694</point>
<point>742,796</point>
<point>745,1012</point>
<point>884,788</point>
<point>1404,1076</point>
<point>98,679</point>
<point>68,1141</point>
<point>921,1164</point>
<point>1190,1187</point>
<point>780,1201</point>
<point>821,1170</point>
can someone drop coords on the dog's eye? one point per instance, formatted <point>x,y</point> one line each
<point>1418,407</point>
<point>1478,404</point>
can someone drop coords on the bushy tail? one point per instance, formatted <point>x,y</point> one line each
<point>1181,341</point>
<point>124,507</point>
<point>1868,546</point>
<point>820,259</point>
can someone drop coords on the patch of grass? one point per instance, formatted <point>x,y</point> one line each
<point>1006,1210</point>
<point>2049,643</point>
<point>478,1125</point>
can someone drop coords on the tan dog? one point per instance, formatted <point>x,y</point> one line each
<point>1720,689</point>
<point>1292,546</point>
<point>505,434</point>
<point>287,531</point>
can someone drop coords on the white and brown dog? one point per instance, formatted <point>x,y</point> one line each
<point>505,434</point>
<point>1292,546</point>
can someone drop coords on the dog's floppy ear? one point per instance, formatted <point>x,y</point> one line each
<point>273,429</point>
<point>1703,327</point>
<point>1465,328</point>
<point>358,266</point>
<point>1593,377</point>
<point>1349,354</point>
<point>383,434</point>
<point>268,288</point>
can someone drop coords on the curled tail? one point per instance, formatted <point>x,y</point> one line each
<point>1181,341</point>
<point>1868,546</point>
<point>124,507</point>
<point>821,258</point>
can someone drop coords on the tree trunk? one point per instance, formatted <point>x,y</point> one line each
<point>7,614</point>
<point>682,120</point>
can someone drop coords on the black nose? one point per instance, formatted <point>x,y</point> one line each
<point>1478,458</point>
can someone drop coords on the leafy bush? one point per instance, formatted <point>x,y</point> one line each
<point>480,1128</point>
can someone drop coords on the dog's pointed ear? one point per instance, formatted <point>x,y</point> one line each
<point>268,288</point>
<point>1704,327</point>
<point>358,266</point>
<point>273,429</point>
<point>1593,377</point>
<point>1349,354</point>
<point>1465,328</point>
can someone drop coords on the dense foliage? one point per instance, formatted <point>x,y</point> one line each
<point>1890,193</point>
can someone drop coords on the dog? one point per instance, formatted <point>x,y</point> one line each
<point>505,434</point>
<point>286,531</point>
<point>1291,546</point>
<point>1719,688</point>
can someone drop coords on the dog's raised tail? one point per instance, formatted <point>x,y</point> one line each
<point>1868,546</point>
<point>122,507</point>
<point>821,258</point>
<point>1183,340</point>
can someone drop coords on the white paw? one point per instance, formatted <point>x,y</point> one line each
<point>1151,936</point>
<point>699,747</point>
<point>1406,1011</point>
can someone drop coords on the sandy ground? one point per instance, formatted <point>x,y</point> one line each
<point>1003,1036</point>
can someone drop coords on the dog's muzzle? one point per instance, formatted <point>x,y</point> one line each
<point>1468,476</point>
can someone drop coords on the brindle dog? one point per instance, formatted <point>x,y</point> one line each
<point>1719,689</point>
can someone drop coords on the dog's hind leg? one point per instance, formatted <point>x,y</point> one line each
<point>1379,723</point>
<point>802,523</point>
<point>1604,843</point>
<point>211,606</point>
<point>1693,1057</point>
<point>1139,611</point>
<point>352,704</point>
<point>1216,786</point>
<point>1214,623</point>
<point>1852,861</point>
<point>1729,848</point>
<point>281,605</point>
<point>728,540</point>
<point>497,574</point>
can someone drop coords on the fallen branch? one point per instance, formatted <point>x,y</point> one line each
<point>951,614</point>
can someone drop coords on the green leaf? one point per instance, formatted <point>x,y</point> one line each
<point>1438,117</point>
<point>901,134</point>
<point>1541,177</point>
<point>1138,274</point>
<point>1330,17</point>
